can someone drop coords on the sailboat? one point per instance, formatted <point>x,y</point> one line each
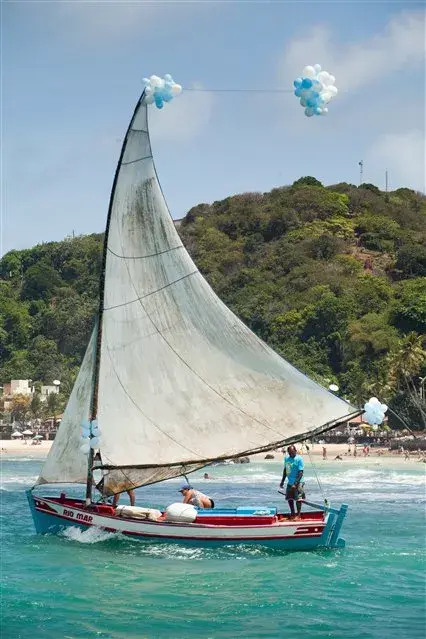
<point>174,381</point>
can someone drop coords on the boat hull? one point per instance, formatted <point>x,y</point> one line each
<point>316,530</point>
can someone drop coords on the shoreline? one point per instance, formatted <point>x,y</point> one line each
<point>20,449</point>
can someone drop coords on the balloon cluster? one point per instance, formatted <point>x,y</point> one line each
<point>374,411</point>
<point>160,90</point>
<point>90,436</point>
<point>315,89</point>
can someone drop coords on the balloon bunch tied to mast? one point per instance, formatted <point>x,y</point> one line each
<point>160,90</point>
<point>374,412</point>
<point>316,89</point>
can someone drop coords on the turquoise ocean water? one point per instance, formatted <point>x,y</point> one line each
<point>96,585</point>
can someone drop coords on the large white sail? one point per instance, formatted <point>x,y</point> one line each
<point>181,379</point>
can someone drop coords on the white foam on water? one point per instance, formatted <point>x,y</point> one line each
<point>91,536</point>
<point>17,479</point>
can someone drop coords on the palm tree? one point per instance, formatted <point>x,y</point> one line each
<point>405,364</point>
<point>53,405</point>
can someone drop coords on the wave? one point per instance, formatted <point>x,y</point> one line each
<point>91,536</point>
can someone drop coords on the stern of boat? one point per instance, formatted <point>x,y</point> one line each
<point>330,537</point>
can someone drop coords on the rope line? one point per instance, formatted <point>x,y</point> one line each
<point>138,299</point>
<point>145,157</point>
<point>316,474</point>
<point>143,257</point>
<point>240,90</point>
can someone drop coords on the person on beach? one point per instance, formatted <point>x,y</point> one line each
<point>195,497</point>
<point>324,452</point>
<point>207,476</point>
<point>293,472</point>
<point>131,494</point>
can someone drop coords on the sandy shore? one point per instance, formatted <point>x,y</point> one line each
<point>18,448</point>
<point>12,448</point>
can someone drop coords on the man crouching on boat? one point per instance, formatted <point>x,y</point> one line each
<point>293,471</point>
<point>195,497</point>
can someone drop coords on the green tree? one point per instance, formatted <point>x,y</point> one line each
<point>36,406</point>
<point>40,282</point>
<point>19,408</point>
<point>46,359</point>
<point>411,260</point>
<point>408,313</point>
<point>308,180</point>
<point>405,364</point>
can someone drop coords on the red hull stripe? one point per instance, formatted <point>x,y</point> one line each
<point>145,534</point>
<point>171,524</point>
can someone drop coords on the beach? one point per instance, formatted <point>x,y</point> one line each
<point>20,449</point>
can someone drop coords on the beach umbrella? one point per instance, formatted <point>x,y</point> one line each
<point>38,437</point>
<point>16,434</point>
<point>28,432</point>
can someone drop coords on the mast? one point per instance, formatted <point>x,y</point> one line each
<point>95,384</point>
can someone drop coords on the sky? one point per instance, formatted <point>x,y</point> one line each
<point>72,71</point>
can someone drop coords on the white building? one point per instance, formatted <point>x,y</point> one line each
<point>18,387</point>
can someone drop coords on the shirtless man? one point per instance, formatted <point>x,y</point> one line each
<point>195,497</point>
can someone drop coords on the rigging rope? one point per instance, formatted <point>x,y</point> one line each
<point>316,474</point>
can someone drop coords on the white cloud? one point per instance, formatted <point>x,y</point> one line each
<point>184,118</point>
<point>403,154</point>
<point>400,45</point>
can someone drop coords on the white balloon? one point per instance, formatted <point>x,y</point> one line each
<point>323,77</point>
<point>373,400</point>
<point>94,442</point>
<point>176,89</point>
<point>156,81</point>
<point>317,68</point>
<point>85,448</point>
<point>331,79</point>
<point>326,96</point>
<point>148,99</point>
<point>309,72</point>
<point>333,90</point>
<point>324,111</point>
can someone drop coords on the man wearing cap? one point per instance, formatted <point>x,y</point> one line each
<point>195,497</point>
<point>293,471</point>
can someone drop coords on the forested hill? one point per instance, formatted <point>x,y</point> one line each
<point>333,278</point>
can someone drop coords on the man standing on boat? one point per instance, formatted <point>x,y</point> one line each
<point>293,472</point>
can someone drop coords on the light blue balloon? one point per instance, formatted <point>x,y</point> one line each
<point>311,103</point>
<point>303,102</point>
<point>307,83</point>
<point>309,112</point>
<point>158,101</point>
<point>318,110</point>
<point>168,78</point>
<point>298,92</point>
<point>298,83</point>
<point>315,95</point>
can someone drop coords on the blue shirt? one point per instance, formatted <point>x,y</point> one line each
<point>292,466</point>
